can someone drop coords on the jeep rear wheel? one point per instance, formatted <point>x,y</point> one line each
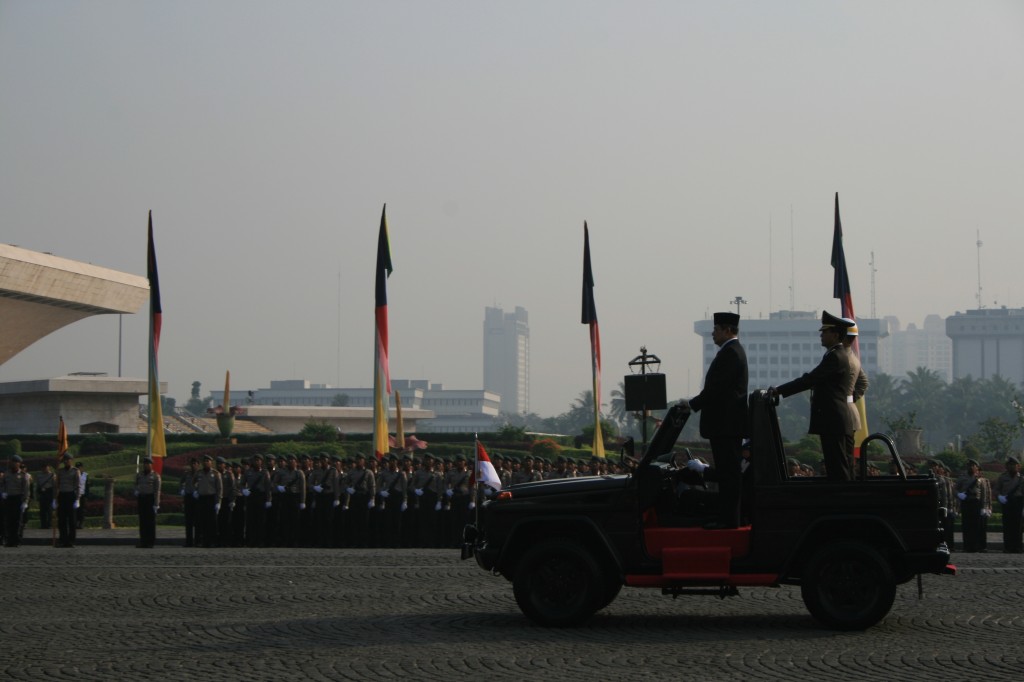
<point>848,586</point>
<point>558,584</point>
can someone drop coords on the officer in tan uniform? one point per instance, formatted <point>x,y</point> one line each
<point>258,498</point>
<point>16,493</point>
<point>190,501</point>
<point>229,484</point>
<point>456,486</point>
<point>209,493</point>
<point>391,503</point>
<point>360,491</point>
<point>290,496</point>
<point>147,494</point>
<point>974,493</point>
<point>1009,490</point>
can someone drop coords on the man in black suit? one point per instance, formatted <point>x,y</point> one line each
<point>722,404</point>
<point>832,388</point>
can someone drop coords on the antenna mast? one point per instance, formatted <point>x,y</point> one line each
<point>792,263</point>
<point>980,304</point>
<point>873,271</point>
<point>771,253</point>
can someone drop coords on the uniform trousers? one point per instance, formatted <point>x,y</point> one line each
<point>147,520</point>
<point>12,519</point>
<point>838,451</point>
<point>1012,524</point>
<point>971,522</point>
<point>728,456</point>
<point>45,505</point>
<point>207,521</point>
<point>66,518</point>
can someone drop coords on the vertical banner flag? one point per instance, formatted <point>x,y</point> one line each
<point>399,424</point>
<point>382,375</point>
<point>590,318</point>
<point>62,440</point>
<point>841,290</point>
<point>156,444</point>
<point>483,471</point>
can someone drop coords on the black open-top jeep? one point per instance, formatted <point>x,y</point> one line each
<point>569,545</point>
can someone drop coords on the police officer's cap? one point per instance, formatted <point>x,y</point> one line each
<point>221,460</point>
<point>291,457</point>
<point>207,457</point>
<point>1012,460</point>
<point>258,456</point>
<point>973,463</point>
<point>65,457</point>
<point>851,326</point>
<point>460,458</point>
<point>323,455</point>
<point>16,458</point>
<point>830,321</point>
<point>727,319</point>
<point>306,456</point>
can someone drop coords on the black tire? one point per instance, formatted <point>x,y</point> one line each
<point>612,586</point>
<point>848,586</point>
<point>558,584</point>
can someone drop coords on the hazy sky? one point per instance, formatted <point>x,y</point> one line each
<point>266,136</point>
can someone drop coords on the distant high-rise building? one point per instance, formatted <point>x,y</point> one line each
<point>904,350</point>
<point>507,358</point>
<point>988,342</point>
<point>787,345</point>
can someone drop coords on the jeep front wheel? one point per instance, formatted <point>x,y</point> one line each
<point>848,586</point>
<point>558,584</point>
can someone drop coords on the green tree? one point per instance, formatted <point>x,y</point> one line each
<point>340,400</point>
<point>995,437</point>
<point>318,431</point>
<point>195,404</point>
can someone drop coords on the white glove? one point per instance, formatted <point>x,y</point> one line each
<point>1002,499</point>
<point>385,494</point>
<point>345,508</point>
<point>266,505</point>
<point>488,491</point>
<point>318,488</point>
<point>3,496</point>
<point>986,513</point>
<point>302,505</point>
<point>231,506</point>
<point>336,503</point>
<point>216,508</point>
<point>472,506</point>
<point>694,465</point>
<point>280,488</point>
<point>76,504</point>
<point>24,506</point>
<point>449,492</point>
<point>155,508</point>
<point>246,492</point>
<point>53,505</point>
<point>136,492</point>
<point>404,506</point>
<point>350,491</point>
<point>962,496</point>
<point>370,504</point>
<point>437,507</point>
<point>418,491</point>
<point>195,494</point>
<point>181,492</point>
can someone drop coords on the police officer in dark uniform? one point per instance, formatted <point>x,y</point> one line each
<point>391,503</point>
<point>722,404</point>
<point>360,492</point>
<point>68,494</point>
<point>238,506</point>
<point>1009,490</point>
<point>291,501</point>
<point>16,492</point>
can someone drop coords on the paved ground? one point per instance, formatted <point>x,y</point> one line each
<point>110,611</point>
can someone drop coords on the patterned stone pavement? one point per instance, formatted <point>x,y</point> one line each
<point>110,611</point>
